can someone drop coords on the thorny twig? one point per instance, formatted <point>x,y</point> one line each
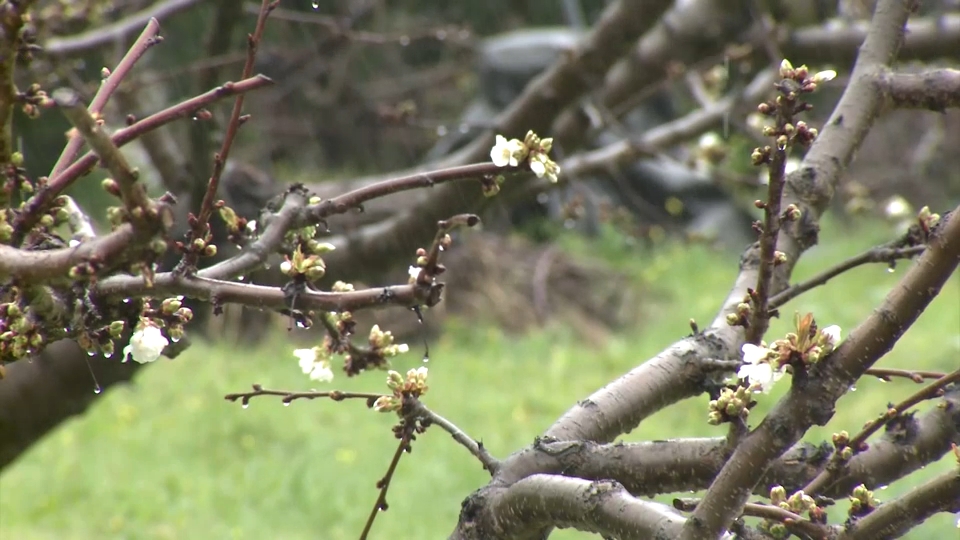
<point>475,447</point>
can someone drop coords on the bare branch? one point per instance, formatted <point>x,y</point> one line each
<point>819,172</point>
<point>290,396</point>
<point>895,518</point>
<point>542,500</point>
<point>116,31</point>
<point>476,448</point>
<point>857,441</point>
<point>134,195</point>
<point>45,196</point>
<point>935,90</point>
<point>147,39</point>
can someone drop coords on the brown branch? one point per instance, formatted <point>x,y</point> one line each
<point>886,253</point>
<point>476,448</point>
<point>927,38</point>
<point>895,518</point>
<point>835,466</point>
<point>134,195</point>
<point>116,31</point>
<point>819,172</point>
<point>934,90</point>
<point>885,374</point>
<point>12,19</point>
<point>147,39</point>
<point>384,483</point>
<point>542,500</point>
<point>200,225</point>
<point>41,201</point>
<point>290,396</point>
<point>53,266</point>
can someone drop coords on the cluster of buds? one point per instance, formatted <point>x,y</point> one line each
<point>799,503</point>
<point>841,442</point>
<point>100,340</point>
<point>15,179</point>
<point>6,229</point>
<point>382,342</point>
<point>309,267</point>
<point>20,336</point>
<point>148,339</point>
<point>412,386</point>
<point>237,226</point>
<point>927,220</point>
<point>764,365</point>
<point>34,99</point>
<point>175,316</point>
<point>793,83</point>
<point>731,404</point>
<point>532,149</point>
<point>862,502</point>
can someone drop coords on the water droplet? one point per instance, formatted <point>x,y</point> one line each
<point>174,339</point>
<point>853,388</point>
<point>245,405</point>
<point>91,353</point>
<point>441,248</point>
<point>315,4</point>
<point>890,270</point>
<point>194,118</point>
<point>126,300</point>
<point>97,389</point>
<point>441,131</point>
<point>301,323</point>
<point>241,278</point>
<point>286,403</point>
<point>404,41</point>
<point>426,359</point>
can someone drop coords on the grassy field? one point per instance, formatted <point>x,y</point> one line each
<point>168,458</point>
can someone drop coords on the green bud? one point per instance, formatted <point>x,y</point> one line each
<point>47,221</point>
<point>210,250</point>
<point>116,329</point>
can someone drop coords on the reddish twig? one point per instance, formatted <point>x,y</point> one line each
<point>40,202</point>
<point>199,225</point>
<point>108,86</point>
<point>884,374</point>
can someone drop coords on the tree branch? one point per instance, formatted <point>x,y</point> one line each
<point>935,90</point>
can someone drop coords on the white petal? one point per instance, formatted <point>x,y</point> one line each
<point>831,335</point>
<point>538,167</point>
<point>307,357</point>
<point>321,372</point>
<point>414,272</point>
<point>752,354</point>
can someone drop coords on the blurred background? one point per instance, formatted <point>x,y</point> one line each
<point>558,293</point>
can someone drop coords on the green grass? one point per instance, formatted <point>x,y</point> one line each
<point>169,458</point>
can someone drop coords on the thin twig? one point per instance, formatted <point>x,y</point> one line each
<point>384,483</point>
<point>794,522</point>
<point>134,195</point>
<point>837,461</point>
<point>476,448</point>
<point>147,39</point>
<point>879,254</point>
<point>116,31</point>
<point>288,397</point>
<point>40,202</point>
<point>884,374</point>
<point>199,230</point>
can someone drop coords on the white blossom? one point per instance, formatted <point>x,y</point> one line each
<point>506,152</point>
<point>824,76</point>
<point>757,368</point>
<point>830,336</point>
<point>146,344</point>
<point>414,272</point>
<point>317,368</point>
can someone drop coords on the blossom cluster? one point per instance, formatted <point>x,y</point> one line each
<point>413,385</point>
<point>764,365</point>
<point>532,150</point>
